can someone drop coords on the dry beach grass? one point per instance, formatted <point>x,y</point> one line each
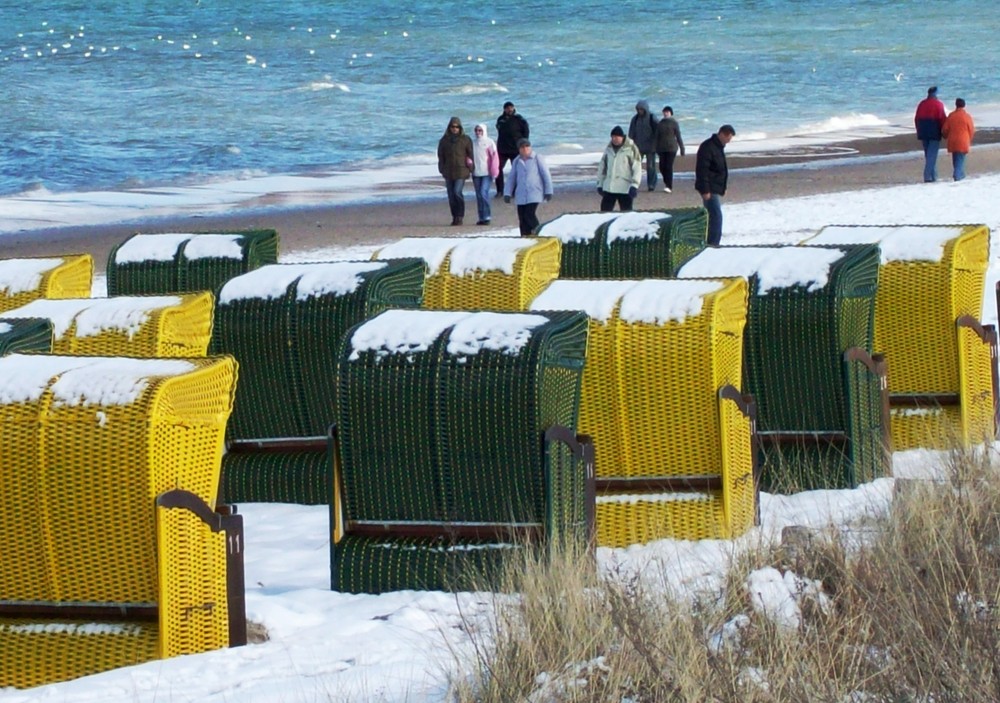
<point>906,610</point>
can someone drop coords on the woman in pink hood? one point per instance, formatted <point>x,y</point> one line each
<point>485,168</point>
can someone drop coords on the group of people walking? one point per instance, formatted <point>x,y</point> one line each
<point>933,125</point>
<point>619,173</point>
<point>461,156</point>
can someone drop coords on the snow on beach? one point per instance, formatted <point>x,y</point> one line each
<point>399,646</point>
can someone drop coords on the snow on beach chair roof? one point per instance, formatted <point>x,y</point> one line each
<point>774,267</point>
<point>93,316</point>
<point>191,245</point>
<point>81,380</point>
<point>466,255</point>
<point>650,301</point>
<point>410,332</point>
<point>897,242</point>
<point>25,279</point>
<point>574,227</point>
<point>310,280</point>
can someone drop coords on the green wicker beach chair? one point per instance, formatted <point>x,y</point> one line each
<point>29,334</point>
<point>284,324</point>
<point>456,446</point>
<point>636,244</point>
<point>155,264</point>
<point>821,401</point>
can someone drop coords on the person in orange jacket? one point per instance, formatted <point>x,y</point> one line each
<point>958,131</point>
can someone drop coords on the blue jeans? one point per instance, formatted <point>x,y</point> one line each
<point>958,165</point>
<point>482,184</point>
<point>456,201</point>
<point>650,170</point>
<point>931,147</point>
<point>714,207</point>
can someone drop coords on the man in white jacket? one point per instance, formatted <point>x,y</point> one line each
<point>619,172</point>
<point>529,183</point>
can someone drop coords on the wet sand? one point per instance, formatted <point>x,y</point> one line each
<point>792,171</point>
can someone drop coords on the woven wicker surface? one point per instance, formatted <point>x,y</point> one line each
<point>157,264</point>
<point>32,334</point>
<point>481,273</point>
<point>287,344</point>
<point>302,477</point>
<point>647,383</point>
<point>632,245</point>
<point>50,277</point>
<point>436,433</point>
<point>137,326</point>
<point>918,301</point>
<point>88,444</point>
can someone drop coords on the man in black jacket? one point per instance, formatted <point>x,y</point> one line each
<point>511,128</point>
<point>710,177</point>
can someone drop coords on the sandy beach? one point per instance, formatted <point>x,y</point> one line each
<point>789,172</point>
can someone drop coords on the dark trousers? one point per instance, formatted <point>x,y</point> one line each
<point>504,159</point>
<point>667,168</point>
<point>608,201</point>
<point>527,220</point>
<point>456,201</point>
<point>714,207</point>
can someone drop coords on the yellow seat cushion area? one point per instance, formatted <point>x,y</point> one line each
<point>24,280</point>
<point>139,326</point>
<point>481,273</point>
<point>929,277</point>
<point>660,353</point>
<point>88,448</point>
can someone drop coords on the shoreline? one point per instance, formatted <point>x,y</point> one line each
<point>790,171</point>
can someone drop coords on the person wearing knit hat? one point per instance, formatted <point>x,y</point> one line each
<point>929,120</point>
<point>528,185</point>
<point>619,172</point>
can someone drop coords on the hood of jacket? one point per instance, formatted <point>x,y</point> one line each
<point>642,105</point>
<point>454,120</point>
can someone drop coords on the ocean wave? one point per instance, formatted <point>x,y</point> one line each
<point>326,84</point>
<point>474,89</point>
<point>842,123</point>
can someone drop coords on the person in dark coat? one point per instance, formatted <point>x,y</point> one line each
<point>668,141</point>
<point>455,159</point>
<point>929,120</point>
<point>511,128</point>
<point>711,176</point>
<point>642,131</point>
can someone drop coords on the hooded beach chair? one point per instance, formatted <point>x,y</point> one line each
<point>24,280</point>
<point>457,447</point>
<point>637,244</point>
<point>942,370</point>
<point>819,388</point>
<point>660,399</point>
<point>480,273</point>
<point>114,549</point>
<point>139,326</point>
<point>284,324</point>
<point>156,264</point>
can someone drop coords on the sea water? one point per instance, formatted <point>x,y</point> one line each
<point>124,96</point>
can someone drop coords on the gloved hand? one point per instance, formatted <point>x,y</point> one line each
<point>600,191</point>
<point>633,191</point>
<point>506,198</point>
<point>548,197</point>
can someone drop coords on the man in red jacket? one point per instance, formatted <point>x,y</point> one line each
<point>958,130</point>
<point>929,119</point>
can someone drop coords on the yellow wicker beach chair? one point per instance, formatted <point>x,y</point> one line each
<point>24,280</point>
<point>112,551</point>
<point>481,273</point>
<point>927,311</point>
<point>139,326</point>
<point>660,400</point>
